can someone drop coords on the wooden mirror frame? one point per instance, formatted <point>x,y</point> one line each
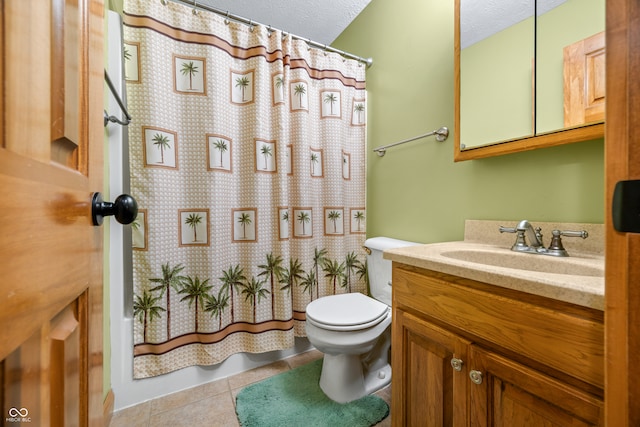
<point>551,139</point>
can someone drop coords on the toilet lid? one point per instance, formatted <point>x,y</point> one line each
<point>346,312</point>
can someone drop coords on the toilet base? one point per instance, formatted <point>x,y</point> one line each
<point>344,380</point>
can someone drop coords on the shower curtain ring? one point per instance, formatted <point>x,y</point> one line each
<point>269,31</point>
<point>164,2</point>
<point>226,20</point>
<point>251,27</point>
<point>195,5</point>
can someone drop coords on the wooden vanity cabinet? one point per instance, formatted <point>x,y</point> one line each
<point>512,394</point>
<point>424,382</point>
<point>467,353</point>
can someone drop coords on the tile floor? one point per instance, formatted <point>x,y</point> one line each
<point>212,404</point>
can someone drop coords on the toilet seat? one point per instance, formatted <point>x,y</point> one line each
<point>346,312</point>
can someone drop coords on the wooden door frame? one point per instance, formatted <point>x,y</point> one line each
<point>622,260</point>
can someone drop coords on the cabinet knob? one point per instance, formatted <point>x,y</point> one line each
<point>476,376</point>
<point>456,364</point>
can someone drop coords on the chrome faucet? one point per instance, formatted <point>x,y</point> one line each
<point>525,232</point>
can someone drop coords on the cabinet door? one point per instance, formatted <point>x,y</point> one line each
<point>426,389</point>
<point>509,394</point>
<point>584,81</point>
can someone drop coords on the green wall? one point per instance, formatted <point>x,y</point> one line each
<point>416,191</point>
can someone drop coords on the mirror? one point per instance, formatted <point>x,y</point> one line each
<point>510,85</point>
<point>496,71</point>
<point>559,33</point>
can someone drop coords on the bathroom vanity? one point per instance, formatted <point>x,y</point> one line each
<point>470,349</point>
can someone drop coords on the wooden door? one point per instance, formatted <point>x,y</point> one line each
<point>504,393</point>
<point>426,388</point>
<point>622,262</point>
<point>584,81</point>
<point>50,253</point>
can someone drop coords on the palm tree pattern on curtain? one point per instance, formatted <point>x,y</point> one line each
<point>247,154</point>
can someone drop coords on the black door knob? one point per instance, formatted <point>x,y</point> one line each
<point>625,206</point>
<point>125,209</point>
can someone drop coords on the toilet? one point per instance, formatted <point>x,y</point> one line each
<point>354,331</point>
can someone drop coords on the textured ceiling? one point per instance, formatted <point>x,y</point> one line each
<point>322,21</point>
<point>480,19</point>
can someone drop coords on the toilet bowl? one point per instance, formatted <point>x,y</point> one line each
<point>353,331</point>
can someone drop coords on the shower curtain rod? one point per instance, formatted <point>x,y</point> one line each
<point>226,14</point>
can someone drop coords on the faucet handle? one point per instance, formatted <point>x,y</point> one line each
<point>504,229</point>
<point>556,247</point>
<point>520,245</point>
<point>582,233</point>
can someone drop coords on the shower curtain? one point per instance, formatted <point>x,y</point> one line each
<point>247,153</point>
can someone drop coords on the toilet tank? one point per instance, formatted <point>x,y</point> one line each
<point>379,269</point>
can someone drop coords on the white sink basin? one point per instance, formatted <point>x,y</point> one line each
<point>530,262</point>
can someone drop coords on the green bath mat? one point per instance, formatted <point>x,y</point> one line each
<point>294,399</point>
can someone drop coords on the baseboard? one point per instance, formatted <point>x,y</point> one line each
<point>107,411</point>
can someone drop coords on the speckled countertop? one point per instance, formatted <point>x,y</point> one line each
<point>484,255</point>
